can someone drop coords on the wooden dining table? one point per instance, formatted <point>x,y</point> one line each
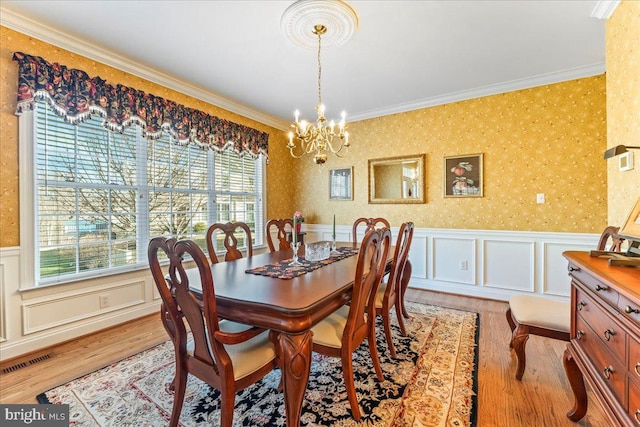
<point>288,307</point>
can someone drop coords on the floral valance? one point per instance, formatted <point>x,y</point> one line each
<point>75,96</point>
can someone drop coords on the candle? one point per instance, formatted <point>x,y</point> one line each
<point>294,233</point>
<point>334,227</point>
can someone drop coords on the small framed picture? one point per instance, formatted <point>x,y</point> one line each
<point>625,161</point>
<point>463,176</point>
<point>341,184</point>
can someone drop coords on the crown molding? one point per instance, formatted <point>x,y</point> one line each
<point>510,86</point>
<point>40,31</point>
<point>604,9</point>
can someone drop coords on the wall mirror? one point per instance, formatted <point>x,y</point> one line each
<point>397,179</point>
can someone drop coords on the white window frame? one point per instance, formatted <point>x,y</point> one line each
<point>29,258</point>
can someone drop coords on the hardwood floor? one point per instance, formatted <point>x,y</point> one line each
<point>541,399</point>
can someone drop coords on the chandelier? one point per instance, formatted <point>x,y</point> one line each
<point>319,137</point>
<point>305,23</point>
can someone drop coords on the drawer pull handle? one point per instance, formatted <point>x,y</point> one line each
<point>601,288</point>
<point>636,368</point>
<point>608,334</point>
<point>630,310</point>
<point>581,305</point>
<point>572,268</point>
<point>608,371</point>
<point>580,334</point>
<point>637,415</point>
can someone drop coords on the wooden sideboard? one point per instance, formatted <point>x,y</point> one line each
<point>605,338</point>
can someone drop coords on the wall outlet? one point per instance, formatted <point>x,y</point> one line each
<point>104,300</point>
<point>464,265</point>
<point>540,198</point>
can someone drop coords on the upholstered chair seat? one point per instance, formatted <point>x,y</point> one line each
<point>248,356</point>
<point>541,312</point>
<point>330,330</point>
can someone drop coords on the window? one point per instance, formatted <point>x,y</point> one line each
<point>99,196</point>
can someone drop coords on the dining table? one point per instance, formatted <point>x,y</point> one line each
<point>288,307</point>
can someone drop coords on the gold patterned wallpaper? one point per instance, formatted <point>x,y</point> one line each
<point>623,105</point>
<point>547,139</point>
<point>279,201</point>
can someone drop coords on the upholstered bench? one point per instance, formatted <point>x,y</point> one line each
<point>533,315</point>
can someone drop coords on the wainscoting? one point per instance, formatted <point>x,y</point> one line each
<point>481,263</point>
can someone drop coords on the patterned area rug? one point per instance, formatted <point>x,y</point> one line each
<point>432,382</point>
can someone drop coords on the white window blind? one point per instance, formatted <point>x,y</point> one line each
<point>100,195</point>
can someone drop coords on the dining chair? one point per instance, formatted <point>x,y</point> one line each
<point>230,240</point>
<point>339,334</point>
<point>226,355</point>
<point>281,226</point>
<point>390,292</point>
<point>369,223</point>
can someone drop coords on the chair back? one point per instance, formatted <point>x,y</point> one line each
<point>610,236</point>
<point>400,257</point>
<point>230,229</point>
<point>370,267</point>
<point>369,223</point>
<point>281,234</point>
<point>182,307</point>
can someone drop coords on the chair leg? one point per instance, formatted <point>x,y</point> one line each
<point>347,371</point>
<point>373,351</point>
<point>512,325</point>
<point>519,341</point>
<point>227,402</point>
<point>404,283</point>
<point>180,386</point>
<point>386,321</point>
<point>403,327</point>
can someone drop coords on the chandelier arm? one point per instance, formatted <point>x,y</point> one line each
<point>334,151</point>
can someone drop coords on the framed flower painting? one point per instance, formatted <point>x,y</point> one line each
<point>463,176</point>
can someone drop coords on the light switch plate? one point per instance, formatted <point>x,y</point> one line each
<point>625,161</point>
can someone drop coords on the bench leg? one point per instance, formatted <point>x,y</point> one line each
<point>519,342</point>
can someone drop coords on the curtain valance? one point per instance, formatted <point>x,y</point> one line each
<point>75,96</point>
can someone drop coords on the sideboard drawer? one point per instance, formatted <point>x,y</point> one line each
<point>608,366</point>
<point>634,401</point>
<point>629,309</point>
<point>607,293</point>
<point>611,333</point>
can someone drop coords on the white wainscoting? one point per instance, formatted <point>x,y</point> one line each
<point>489,264</point>
<point>37,318</point>
<point>484,263</point>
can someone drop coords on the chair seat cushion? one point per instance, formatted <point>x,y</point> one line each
<point>329,331</point>
<point>380,294</point>
<point>541,312</point>
<point>249,356</point>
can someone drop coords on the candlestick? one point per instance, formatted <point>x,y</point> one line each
<point>334,227</point>
<point>294,232</point>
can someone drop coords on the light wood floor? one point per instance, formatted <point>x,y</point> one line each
<point>541,399</point>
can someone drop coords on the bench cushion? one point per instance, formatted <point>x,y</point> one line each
<point>541,312</point>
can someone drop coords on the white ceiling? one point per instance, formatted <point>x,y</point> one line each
<point>405,54</point>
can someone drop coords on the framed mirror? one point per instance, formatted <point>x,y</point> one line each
<point>397,179</point>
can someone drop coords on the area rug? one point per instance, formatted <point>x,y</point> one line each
<point>432,382</point>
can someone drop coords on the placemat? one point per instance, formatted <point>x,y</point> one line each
<point>284,269</point>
